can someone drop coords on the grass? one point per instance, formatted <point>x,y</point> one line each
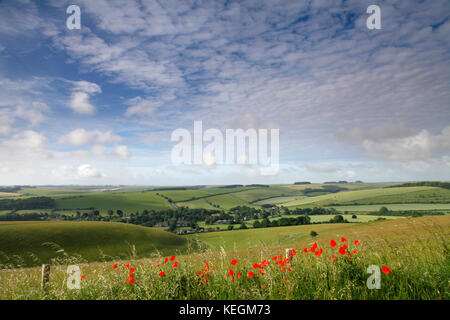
<point>395,207</point>
<point>416,251</point>
<point>33,243</point>
<point>346,196</point>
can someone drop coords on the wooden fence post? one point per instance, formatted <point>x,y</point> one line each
<point>288,253</point>
<point>45,275</point>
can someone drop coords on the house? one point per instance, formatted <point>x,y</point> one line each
<point>161,224</point>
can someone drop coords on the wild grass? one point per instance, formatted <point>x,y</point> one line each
<point>415,250</point>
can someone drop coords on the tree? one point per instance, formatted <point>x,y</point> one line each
<point>354,216</point>
<point>230,227</point>
<point>383,210</point>
<point>110,213</point>
<point>119,213</point>
<point>313,234</point>
<point>243,226</point>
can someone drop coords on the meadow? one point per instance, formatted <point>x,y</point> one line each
<point>412,254</point>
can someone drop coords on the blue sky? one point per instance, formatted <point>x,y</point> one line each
<point>98,105</point>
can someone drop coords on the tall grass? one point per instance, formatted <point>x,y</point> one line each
<point>420,269</point>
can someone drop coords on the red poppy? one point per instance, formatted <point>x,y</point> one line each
<point>386,269</point>
<point>172,258</point>
<point>290,269</point>
<point>250,274</point>
<point>131,271</point>
<point>157,265</point>
<point>238,275</point>
<point>356,242</point>
<point>274,258</point>
<point>305,249</point>
<point>313,248</point>
<point>127,266</point>
<point>175,264</point>
<point>131,280</point>
<point>343,239</point>
<point>231,272</point>
<point>82,277</point>
<point>261,271</point>
<point>293,253</point>
<point>333,243</point>
<point>256,266</point>
<point>355,252</point>
<point>199,272</point>
<point>318,252</point>
<point>166,259</point>
<point>265,263</point>
<point>162,274</point>
<point>115,266</point>
<point>342,250</point>
<point>284,279</point>
<point>332,257</point>
<point>233,262</point>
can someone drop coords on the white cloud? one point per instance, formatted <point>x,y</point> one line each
<point>79,101</point>
<point>141,107</point>
<point>421,146</point>
<point>27,140</point>
<point>80,137</point>
<point>85,171</point>
<point>123,152</point>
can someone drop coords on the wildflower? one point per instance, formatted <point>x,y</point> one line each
<point>157,265</point>
<point>356,242</point>
<point>172,258</point>
<point>343,239</point>
<point>313,248</point>
<point>274,258</point>
<point>261,271</point>
<point>115,266</point>
<point>82,277</point>
<point>127,266</point>
<point>165,260</point>
<point>305,249</point>
<point>318,252</point>
<point>265,263</point>
<point>162,274</point>
<point>250,274</point>
<point>132,270</point>
<point>233,262</point>
<point>342,250</point>
<point>386,269</point>
<point>199,272</point>
<point>291,269</point>
<point>284,279</point>
<point>256,266</point>
<point>131,280</point>
<point>332,257</point>
<point>293,253</point>
<point>333,243</point>
<point>238,275</point>
<point>175,264</point>
<point>231,272</point>
<point>355,252</point>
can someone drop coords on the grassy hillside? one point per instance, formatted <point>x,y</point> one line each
<point>415,250</point>
<point>358,195</point>
<point>30,243</point>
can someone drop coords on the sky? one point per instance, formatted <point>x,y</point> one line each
<point>98,105</point>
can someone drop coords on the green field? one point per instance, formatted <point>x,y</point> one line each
<point>395,207</point>
<point>34,243</point>
<point>346,196</point>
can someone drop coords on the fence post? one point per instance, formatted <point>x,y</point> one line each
<point>288,253</point>
<point>45,275</point>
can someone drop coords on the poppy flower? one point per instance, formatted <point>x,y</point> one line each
<point>265,263</point>
<point>127,266</point>
<point>233,262</point>
<point>261,271</point>
<point>238,275</point>
<point>166,259</point>
<point>290,269</point>
<point>305,249</point>
<point>355,252</point>
<point>386,269</point>
<point>318,252</point>
<point>314,247</point>
<point>172,258</point>
<point>175,264</point>
<point>256,266</point>
<point>131,280</point>
<point>199,272</point>
<point>284,279</point>
<point>356,242</point>
<point>333,243</point>
<point>343,239</point>
<point>115,266</point>
<point>157,265</point>
<point>250,274</point>
<point>342,250</point>
<point>132,270</point>
<point>293,253</point>
<point>82,277</point>
<point>162,274</point>
<point>332,257</point>
<point>231,272</point>
<point>274,258</point>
